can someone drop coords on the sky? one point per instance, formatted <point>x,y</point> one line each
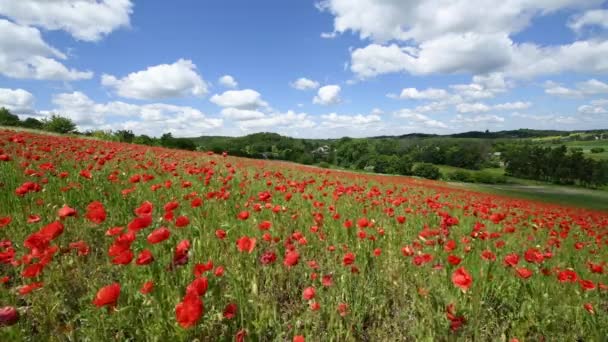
<point>309,69</point>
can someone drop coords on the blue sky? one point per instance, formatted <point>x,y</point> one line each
<point>307,68</point>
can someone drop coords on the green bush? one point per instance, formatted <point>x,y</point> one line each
<point>488,178</point>
<point>324,165</point>
<point>597,150</point>
<point>59,124</point>
<point>460,176</point>
<point>426,170</point>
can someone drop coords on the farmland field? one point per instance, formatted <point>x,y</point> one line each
<point>105,241</point>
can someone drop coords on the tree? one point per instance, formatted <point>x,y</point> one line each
<point>124,135</point>
<point>32,123</point>
<point>7,118</point>
<point>426,170</point>
<point>59,124</point>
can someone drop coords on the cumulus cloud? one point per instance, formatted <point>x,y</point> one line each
<point>597,17</point>
<point>461,36</point>
<point>427,94</point>
<point>419,120</point>
<point>279,121</point>
<point>159,82</point>
<point>582,89</point>
<point>334,120</point>
<point>328,95</point>
<point>242,114</point>
<point>304,83</point>
<point>241,99</point>
<point>228,81</point>
<point>472,108</point>
<point>83,19</point>
<point>153,119</point>
<point>477,119</point>
<point>24,54</point>
<point>18,101</point>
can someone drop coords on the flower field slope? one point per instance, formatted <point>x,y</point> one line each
<point>104,241</point>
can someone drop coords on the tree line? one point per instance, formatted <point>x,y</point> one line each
<point>554,164</point>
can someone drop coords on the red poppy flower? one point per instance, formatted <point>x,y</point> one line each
<point>182,221</point>
<point>66,211</point>
<point>348,259</point>
<point>309,293</point>
<point>4,221</point>
<point>33,219</point>
<point>25,289</point>
<point>265,225</point>
<point>147,287</point>
<point>587,285</point>
<point>145,257</point>
<point>230,311</point>
<point>145,209</point>
<point>567,276</point>
<point>189,310</point>
<point>245,244</point>
<point>139,223</point>
<point>299,338</point>
<point>96,212</point>
<point>198,286</point>
<point>220,234</point>
<point>343,309</point>
<point>524,273</point>
<point>243,215</point>
<point>159,235</point>
<point>511,260</point>
<point>268,258</point>
<point>291,258</point>
<point>454,260</point>
<point>462,279</point>
<point>107,296</point>
<point>123,258</point>
<point>8,316</point>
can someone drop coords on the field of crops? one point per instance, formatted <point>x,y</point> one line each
<point>103,241</point>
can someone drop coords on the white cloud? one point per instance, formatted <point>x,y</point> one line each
<point>593,87</point>
<point>242,114</point>
<point>24,54</point>
<point>598,17</point>
<point>461,36</point>
<point>556,89</point>
<point>422,20</point>
<point>159,82</point>
<point>228,81</point>
<point>153,119</point>
<point>533,117</point>
<point>304,83</point>
<point>427,94</point>
<point>592,110</point>
<point>275,121</point>
<point>587,88</point>
<point>334,120</point>
<point>241,99</point>
<point>519,105</point>
<point>328,95</point>
<point>472,108</point>
<point>477,119</point>
<point>18,101</point>
<point>419,119</point>
<point>84,19</point>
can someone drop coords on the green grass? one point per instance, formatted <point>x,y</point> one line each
<point>570,196</point>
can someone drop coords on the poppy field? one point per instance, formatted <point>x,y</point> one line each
<point>103,241</point>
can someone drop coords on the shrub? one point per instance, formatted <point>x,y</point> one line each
<point>460,176</point>
<point>597,150</point>
<point>426,170</point>
<point>59,124</point>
